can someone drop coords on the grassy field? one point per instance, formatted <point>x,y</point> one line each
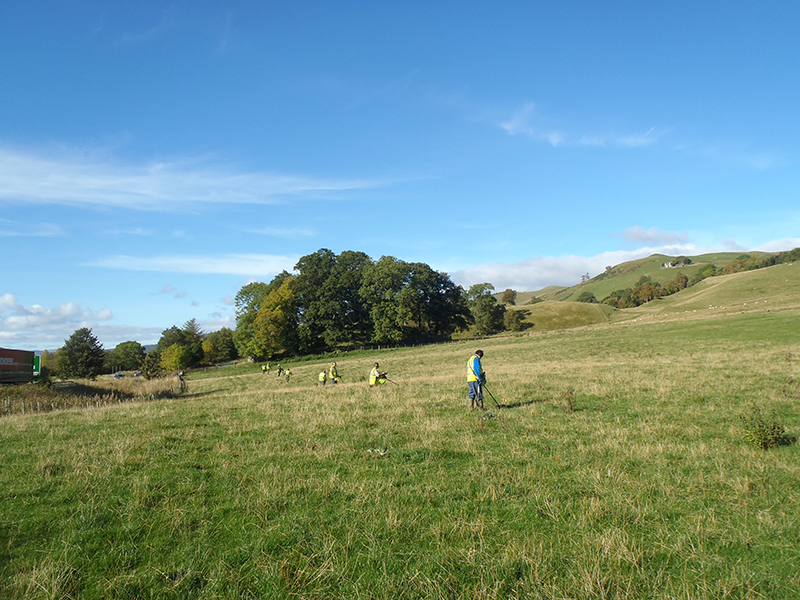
<point>617,468</point>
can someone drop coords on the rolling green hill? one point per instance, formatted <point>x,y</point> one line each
<point>761,289</point>
<point>625,275</point>
<point>767,289</point>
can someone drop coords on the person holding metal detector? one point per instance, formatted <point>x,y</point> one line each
<point>475,380</point>
<point>333,374</point>
<point>376,377</point>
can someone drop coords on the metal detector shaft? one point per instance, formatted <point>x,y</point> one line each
<point>491,395</point>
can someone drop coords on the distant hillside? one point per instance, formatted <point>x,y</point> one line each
<point>768,288</point>
<point>546,293</point>
<point>546,316</point>
<point>625,275</point>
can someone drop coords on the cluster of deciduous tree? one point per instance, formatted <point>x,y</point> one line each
<point>745,262</point>
<point>339,301</point>
<point>188,347</point>
<point>644,291</point>
<point>179,348</point>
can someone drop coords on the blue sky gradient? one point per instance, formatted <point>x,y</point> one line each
<point>155,157</point>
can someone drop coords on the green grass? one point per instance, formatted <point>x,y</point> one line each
<point>546,316</point>
<point>249,487</point>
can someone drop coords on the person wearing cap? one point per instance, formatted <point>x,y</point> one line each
<point>333,373</point>
<point>475,379</point>
<point>376,377</point>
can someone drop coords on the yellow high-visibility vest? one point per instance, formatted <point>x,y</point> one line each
<point>471,375</point>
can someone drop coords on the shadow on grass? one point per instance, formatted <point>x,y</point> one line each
<point>197,394</point>
<point>521,403</point>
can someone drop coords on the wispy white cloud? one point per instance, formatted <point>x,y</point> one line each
<point>217,322</point>
<point>780,245</point>
<point>734,154</point>
<point>760,160</point>
<point>168,22</point>
<point>731,245</point>
<point>282,233</point>
<point>225,35</point>
<point>167,289</point>
<point>526,121</point>
<point>81,180</point>
<point>231,264</point>
<point>523,122</point>
<point>137,231</point>
<point>170,290</point>
<point>17,229</point>
<point>653,236</point>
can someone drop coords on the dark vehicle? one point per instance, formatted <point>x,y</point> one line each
<point>16,366</point>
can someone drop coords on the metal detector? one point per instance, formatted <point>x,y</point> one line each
<point>491,395</point>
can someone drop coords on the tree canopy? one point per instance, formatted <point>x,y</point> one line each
<point>489,316</point>
<point>81,356</point>
<point>128,356</point>
<point>334,301</point>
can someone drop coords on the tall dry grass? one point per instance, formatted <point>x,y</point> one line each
<point>64,395</point>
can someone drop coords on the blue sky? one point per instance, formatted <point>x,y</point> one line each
<point>156,157</point>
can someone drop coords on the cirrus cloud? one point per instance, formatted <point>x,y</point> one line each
<point>75,179</point>
<point>230,264</point>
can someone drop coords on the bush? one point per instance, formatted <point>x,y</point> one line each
<point>514,320</point>
<point>763,432</point>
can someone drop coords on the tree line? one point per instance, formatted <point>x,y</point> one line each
<point>329,302</point>
<point>83,356</point>
<point>342,301</point>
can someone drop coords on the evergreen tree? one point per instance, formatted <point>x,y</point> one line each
<point>151,367</point>
<point>81,357</point>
